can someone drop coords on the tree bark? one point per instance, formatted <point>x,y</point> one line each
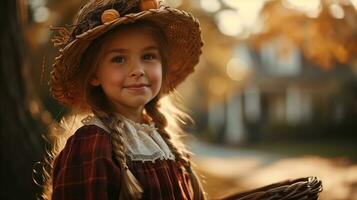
<point>21,142</point>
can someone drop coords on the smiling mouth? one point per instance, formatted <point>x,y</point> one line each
<point>137,86</point>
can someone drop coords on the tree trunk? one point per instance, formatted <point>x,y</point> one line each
<point>21,141</point>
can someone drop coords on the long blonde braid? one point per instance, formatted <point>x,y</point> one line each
<point>130,187</point>
<point>152,109</point>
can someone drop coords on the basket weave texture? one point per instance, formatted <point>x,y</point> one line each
<point>307,188</point>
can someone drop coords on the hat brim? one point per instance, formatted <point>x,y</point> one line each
<point>184,49</point>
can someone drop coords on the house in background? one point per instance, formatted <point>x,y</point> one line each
<point>285,96</point>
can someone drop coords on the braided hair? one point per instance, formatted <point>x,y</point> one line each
<point>152,109</point>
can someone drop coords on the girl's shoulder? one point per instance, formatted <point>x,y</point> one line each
<point>91,128</point>
<point>94,123</point>
<point>88,133</point>
<point>89,139</point>
<point>88,144</point>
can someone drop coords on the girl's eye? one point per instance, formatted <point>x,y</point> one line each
<point>149,57</point>
<point>118,59</point>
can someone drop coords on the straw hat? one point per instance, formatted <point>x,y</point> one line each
<point>99,16</point>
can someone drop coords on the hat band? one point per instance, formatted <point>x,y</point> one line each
<point>95,17</point>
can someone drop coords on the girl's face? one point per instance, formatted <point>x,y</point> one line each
<point>129,69</point>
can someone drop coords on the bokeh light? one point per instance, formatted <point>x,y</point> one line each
<point>229,22</point>
<point>174,3</point>
<point>336,11</point>
<point>311,8</point>
<point>238,69</point>
<point>41,14</point>
<point>210,5</point>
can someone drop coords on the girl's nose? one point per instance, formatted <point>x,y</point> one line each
<point>138,71</point>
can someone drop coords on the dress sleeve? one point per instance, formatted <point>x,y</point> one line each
<point>85,168</point>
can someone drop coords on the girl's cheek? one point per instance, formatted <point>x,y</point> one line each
<point>119,77</point>
<point>158,71</point>
<point>113,75</point>
<point>156,75</point>
<point>118,72</point>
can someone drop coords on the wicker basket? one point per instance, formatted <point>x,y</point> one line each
<point>298,189</point>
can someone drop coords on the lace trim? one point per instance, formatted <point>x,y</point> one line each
<point>141,126</point>
<point>152,158</point>
<point>91,120</point>
<point>142,142</point>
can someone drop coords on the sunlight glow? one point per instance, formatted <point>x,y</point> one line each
<point>210,5</point>
<point>241,19</point>
<point>174,3</point>
<point>336,11</point>
<point>311,8</point>
<point>229,22</point>
<point>36,3</point>
<point>237,69</point>
<point>354,3</point>
<point>41,14</point>
<point>232,3</point>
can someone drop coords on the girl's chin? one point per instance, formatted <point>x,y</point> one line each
<point>135,103</point>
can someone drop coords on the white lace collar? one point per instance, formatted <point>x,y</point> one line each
<point>142,142</point>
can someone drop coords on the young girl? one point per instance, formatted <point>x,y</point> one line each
<point>120,59</point>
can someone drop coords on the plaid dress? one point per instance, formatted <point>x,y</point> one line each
<point>85,169</point>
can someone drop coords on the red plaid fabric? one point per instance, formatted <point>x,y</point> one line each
<point>85,169</point>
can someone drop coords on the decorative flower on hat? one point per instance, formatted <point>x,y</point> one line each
<point>148,4</point>
<point>109,15</point>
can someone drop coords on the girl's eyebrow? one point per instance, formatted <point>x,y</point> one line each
<point>118,50</point>
<point>151,48</point>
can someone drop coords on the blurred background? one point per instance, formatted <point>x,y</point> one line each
<point>274,96</point>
